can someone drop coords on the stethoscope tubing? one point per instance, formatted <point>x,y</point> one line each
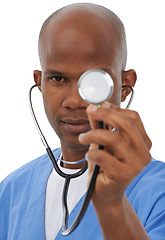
<point>68,177</point>
<point>85,203</point>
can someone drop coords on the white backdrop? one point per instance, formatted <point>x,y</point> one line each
<point>20,23</point>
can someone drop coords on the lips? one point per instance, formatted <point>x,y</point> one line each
<point>76,125</point>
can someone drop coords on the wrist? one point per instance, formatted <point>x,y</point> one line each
<point>109,208</point>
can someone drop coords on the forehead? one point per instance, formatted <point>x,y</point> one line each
<point>78,33</point>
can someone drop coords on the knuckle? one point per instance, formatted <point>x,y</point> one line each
<point>115,138</point>
<point>125,177</point>
<point>135,116</point>
<point>139,167</point>
<point>129,123</point>
<point>148,142</point>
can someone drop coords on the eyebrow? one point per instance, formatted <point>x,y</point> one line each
<point>51,71</point>
<point>62,74</point>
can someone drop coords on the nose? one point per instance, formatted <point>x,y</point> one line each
<point>72,98</point>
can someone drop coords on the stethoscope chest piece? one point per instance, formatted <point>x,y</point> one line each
<point>95,86</point>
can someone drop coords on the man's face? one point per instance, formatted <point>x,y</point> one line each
<point>67,50</point>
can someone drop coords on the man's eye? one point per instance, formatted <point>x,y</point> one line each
<point>57,79</point>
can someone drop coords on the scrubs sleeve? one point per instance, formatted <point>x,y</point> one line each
<point>4,209</point>
<point>155,225</point>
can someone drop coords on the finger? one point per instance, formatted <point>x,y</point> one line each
<point>122,120</point>
<point>116,145</point>
<point>114,170</point>
<point>136,118</point>
<point>113,141</point>
<point>102,159</point>
<point>93,122</point>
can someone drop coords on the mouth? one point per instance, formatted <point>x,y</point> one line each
<point>76,126</point>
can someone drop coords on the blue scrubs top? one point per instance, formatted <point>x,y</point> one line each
<point>22,203</point>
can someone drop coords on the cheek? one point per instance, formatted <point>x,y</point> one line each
<point>116,96</point>
<point>52,103</point>
<point>47,105</point>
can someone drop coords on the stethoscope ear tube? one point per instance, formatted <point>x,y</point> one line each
<point>132,95</point>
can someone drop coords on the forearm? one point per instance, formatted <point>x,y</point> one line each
<point>119,221</point>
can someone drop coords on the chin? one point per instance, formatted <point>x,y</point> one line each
<point>77,147</point>
<point>70,141</point>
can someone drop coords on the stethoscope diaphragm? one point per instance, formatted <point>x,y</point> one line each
<point>95,86</point>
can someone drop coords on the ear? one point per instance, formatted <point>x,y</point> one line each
<point>37,77</point>
<point>128,78</point>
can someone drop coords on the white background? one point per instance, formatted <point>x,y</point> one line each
<point>20,23</point>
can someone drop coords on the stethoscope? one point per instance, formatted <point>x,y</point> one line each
<point>94,86</point>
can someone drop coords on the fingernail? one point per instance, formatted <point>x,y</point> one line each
<point>81,136</point>
<point>106,105</point>
<point>92,108</point>
<point>86,156</point>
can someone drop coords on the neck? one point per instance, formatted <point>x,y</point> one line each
<point>73,156</point>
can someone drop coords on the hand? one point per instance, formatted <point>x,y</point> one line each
<point>125,154</point>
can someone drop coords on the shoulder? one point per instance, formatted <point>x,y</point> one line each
<point>147,188</point>
<point>147,196</point>
<point>22,195</point>
<point>152,181</point>
<point>151,197</point>
<point>27,172</point>
<point>25,169</point>
<point>152,175</point>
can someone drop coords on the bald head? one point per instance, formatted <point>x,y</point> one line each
<point>86,17</point>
